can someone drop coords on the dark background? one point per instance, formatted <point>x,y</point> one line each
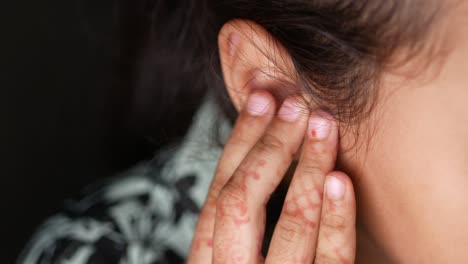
<point>59,113</point>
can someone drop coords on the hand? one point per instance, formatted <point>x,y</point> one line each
<point>317,222</point>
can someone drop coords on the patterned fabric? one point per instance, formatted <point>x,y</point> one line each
<point>146,215</point>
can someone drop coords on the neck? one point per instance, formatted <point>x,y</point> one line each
<point>367,249</point>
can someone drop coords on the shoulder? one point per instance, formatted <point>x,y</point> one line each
<point>145,215</point>
<point>141,216</point>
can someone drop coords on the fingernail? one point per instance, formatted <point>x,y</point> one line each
<point>335,188</point>
<point>290,110</point>
<point>319,127</point>
<point>258,104</point>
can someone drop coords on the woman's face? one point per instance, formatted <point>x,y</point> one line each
<point>410,166</point>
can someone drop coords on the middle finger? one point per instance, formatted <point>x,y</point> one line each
<point>295,236</point>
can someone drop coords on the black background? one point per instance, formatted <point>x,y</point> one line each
<point>57,111</point>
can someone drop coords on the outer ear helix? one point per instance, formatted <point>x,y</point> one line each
<point>233,42</point>
<point>251,59</point>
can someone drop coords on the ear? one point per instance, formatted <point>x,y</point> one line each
<point>252,59</point>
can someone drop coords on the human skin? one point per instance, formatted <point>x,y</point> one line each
<point>412,179</point>
<point>411,171</point>
<point>317,224</point>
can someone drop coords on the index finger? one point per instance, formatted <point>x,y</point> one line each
<point>249,128</point>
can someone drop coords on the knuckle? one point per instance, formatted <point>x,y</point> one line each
<point>321,258</point>
<point>318,156</point>
<point>270,142</point>
<point>290,229</point>
<point>334,222</point>
<point>318,152</point>
<point>241,138</point>
<point>231,197</point>
<point>318,148</point>
<point>310,167</point>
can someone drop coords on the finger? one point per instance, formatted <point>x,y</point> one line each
<point>337,232</point>
<point>250,126</point>
<point>295,234</point>
<point>240,216</point>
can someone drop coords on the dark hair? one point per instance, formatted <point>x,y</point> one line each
<point>168,58</point>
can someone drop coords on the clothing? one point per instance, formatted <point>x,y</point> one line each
<point>145,215</point>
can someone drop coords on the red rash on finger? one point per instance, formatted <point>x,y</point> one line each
<point>342,259</point>
<point>261,163</point>
<point>299,260</point>
<point>239,256</point>
<point>239,209</point>
<point>199,242</point>
<point>331,206</point>
<point>209,243</point>
<point>252,174</point>
<point>245,177</point>
<point>255,175</point>
<point>240,217</point>
<point>234,252</point>
<point>239,221</point>
<point>204,229</point>
<point>242,208</point>
<point>196,244</point>
<point>238,214</point>
<point>304,204</point>
<point>313,133</point>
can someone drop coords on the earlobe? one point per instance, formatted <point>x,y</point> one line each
<point>252,59</point>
